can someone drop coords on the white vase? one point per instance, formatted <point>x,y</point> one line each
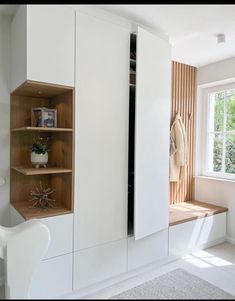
<point>39,159</point>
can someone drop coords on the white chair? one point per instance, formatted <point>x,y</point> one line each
<point>22,247</point>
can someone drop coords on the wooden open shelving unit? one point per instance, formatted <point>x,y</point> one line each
<point>59,173</point>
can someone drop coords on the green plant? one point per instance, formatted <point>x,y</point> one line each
<point>40,145</point>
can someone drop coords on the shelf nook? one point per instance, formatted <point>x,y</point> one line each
<point>58,175</point>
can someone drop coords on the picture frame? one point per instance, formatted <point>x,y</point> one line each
<point>49,119</point>
<point>36,117</point>
<point>43,117</point>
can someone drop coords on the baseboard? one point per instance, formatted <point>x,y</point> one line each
<point>231,240</point>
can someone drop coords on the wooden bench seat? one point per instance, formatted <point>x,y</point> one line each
<point>187,211</point>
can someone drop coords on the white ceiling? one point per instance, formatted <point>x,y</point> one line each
<point>191,29</point>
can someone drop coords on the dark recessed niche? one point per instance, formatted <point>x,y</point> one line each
<point>131,152</point>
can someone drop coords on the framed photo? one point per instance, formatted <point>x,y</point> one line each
<point>36,117</point>
<point>49,118</point>
<point>43,117</point>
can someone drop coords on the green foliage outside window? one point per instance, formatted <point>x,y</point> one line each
<point>227,129</point>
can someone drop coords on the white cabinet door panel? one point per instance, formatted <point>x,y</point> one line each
<point>147,250</point>
<point>153,84</point>
<point>99,263</point>
<point>53,278</point>
<point>50,44</point>
<point>101,134</point>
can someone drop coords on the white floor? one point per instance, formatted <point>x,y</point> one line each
<point>215,265</point>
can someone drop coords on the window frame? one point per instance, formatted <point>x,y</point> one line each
<point>205,134</point>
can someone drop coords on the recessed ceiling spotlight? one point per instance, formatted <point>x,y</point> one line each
<point>220,38</point>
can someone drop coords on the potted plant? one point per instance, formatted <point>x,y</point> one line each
<point>39,151</point>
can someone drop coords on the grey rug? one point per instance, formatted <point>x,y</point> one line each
<point>177,284</point>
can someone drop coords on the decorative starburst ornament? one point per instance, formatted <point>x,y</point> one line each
<point>41,198</point>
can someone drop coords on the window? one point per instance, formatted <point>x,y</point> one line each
<point>220,136</point>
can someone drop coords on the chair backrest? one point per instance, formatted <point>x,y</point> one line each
<point>22,248</point>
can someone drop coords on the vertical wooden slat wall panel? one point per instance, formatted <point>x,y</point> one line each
<point>183,101</point>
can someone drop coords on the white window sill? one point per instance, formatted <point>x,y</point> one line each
<point>215,178</point>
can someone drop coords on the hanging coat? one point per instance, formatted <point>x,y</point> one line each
<point>179,159</point>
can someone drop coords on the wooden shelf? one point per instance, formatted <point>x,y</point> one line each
<point>32,171</point>
<point>28,213</point>
<point>37,89</point>
<point>41,129</point>
<point>132,85</point>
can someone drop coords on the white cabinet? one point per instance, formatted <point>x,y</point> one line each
<point>53,278</point>
<point>147,250</point>
<point>152,123</point>
<point>196,234</point>
<point>43,41</point>
<point>99,263</point>
<point>101,132</point>
<point>101,151</point>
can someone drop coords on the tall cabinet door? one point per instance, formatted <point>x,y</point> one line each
<point>101,150</point>
<point>42,45</point>
<point>151,134</point>
<point>50,44</point>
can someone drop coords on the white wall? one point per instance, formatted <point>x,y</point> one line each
<point>215,191</point>
<point>4,120</point>
<point>4,116</point>
<point>220,71</point>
